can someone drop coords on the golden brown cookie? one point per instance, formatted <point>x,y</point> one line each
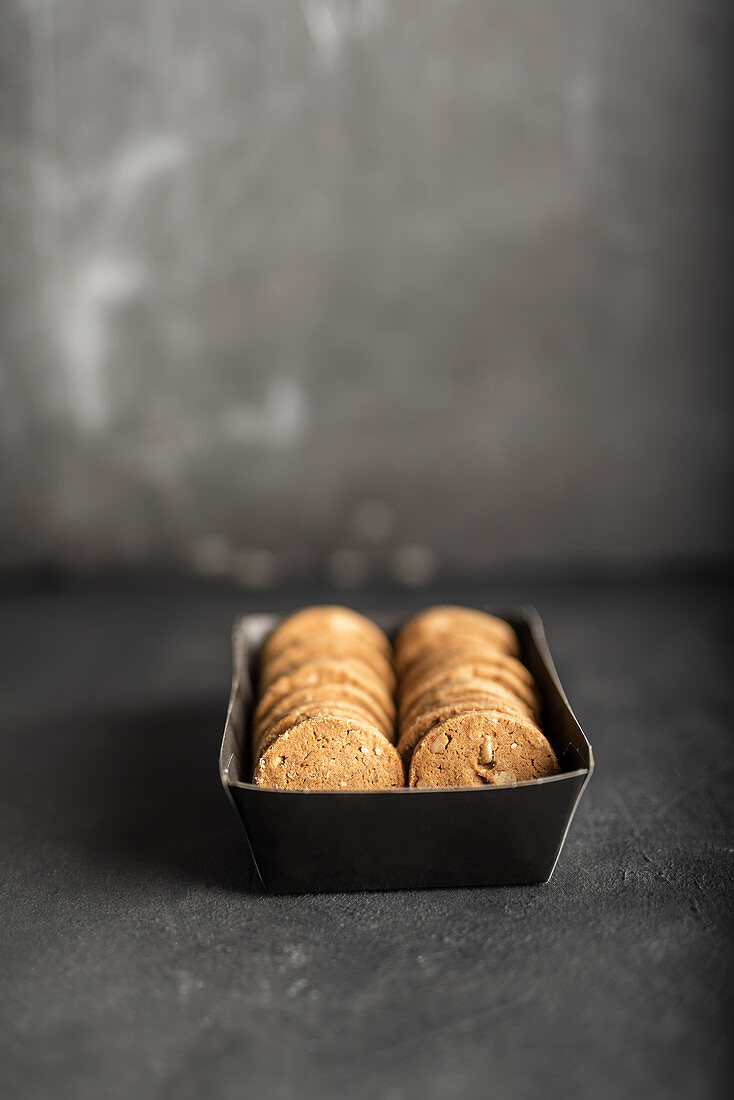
<point>457,656</point>
<point>499,671</point>
<point>426,720</point>
<point>330,753</point>
<point>337,693</point>
<point>326,701</point>
<point>422,650</point>
<point>441,625</point>
<point>470,690</point>
<point>328,708</point>
<point>328,619</point>
<point>447,617</point>
<point>473,691</point>
<point>295,653</point>
<point>484,747</point>
<point>329,671</point>
<point>452,655</point>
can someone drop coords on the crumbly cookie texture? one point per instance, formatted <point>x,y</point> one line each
<point>449,691</point>
<point>330,708</point>
<point>297,651</point>
<point>345,693</point>
<point>470,690</point>
<point>502,670</point>
<point>438,626</point>
<point>434,716</point>
<point>330,754</point>
<point>326,676</point>
<point>332,670</point>
<point>324,717</point>
<point>332,619</point>
<point>457,656</point>
<point>479,748</point>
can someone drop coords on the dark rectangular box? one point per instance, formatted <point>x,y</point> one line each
<point>316,841</point>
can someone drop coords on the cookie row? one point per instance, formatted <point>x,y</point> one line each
<point>325,712</point>
<point>468,707</point>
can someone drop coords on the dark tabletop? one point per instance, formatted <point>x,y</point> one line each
<point>139,957</point>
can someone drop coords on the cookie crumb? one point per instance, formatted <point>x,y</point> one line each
<point>504,779</point>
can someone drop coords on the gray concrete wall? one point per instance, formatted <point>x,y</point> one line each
<point>359,286</point>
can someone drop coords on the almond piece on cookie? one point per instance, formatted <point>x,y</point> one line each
<point>483,747</point>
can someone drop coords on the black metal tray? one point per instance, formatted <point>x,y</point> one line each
<point>318,841</point>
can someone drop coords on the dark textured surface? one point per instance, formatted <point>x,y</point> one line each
<point>321,251</point>
<point>139,958</point>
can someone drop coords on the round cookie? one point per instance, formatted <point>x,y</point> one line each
<point>438,625</point>
<point>499,671</point>
<point>329,753</point>
<point>331,619</point>
<point>458,655</point>
<point>413,653</point>
<point>426,720</point>
<point>484,747</point>
<point>329,708</point>
<point>381,714</point>
<point>472,691</point>
<point>343,693</point>
<point>307,695</point>
<point>320,647</point>
<point>452,617</point>
<point>326,671</point>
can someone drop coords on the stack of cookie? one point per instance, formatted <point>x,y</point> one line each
<point>468,707</point>
<point>325,713</point>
